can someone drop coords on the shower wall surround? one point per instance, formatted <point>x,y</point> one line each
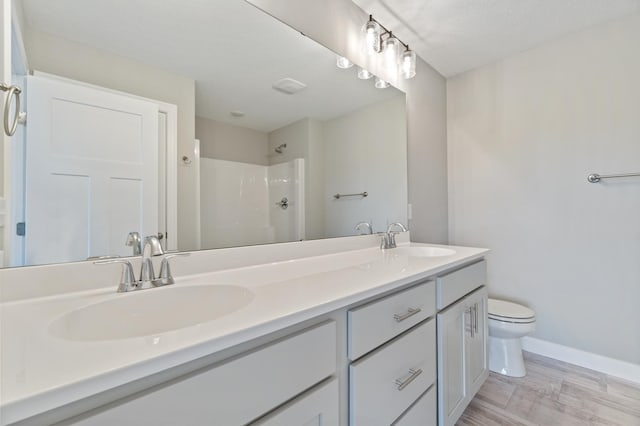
<point>239,203</point>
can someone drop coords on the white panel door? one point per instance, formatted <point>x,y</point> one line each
<point>92,171</point>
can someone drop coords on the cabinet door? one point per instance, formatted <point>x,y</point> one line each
<point>318,407</point>
<point>452,393</point>
<point>477,341</point>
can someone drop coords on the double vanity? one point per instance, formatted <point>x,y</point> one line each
<point>339,333</point>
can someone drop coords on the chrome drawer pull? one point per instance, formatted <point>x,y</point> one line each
<point>410,312</point>
<point>414,373</point>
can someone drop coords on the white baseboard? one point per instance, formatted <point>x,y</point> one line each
<point>611,366</point>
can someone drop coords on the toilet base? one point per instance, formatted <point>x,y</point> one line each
<point>505,357</point>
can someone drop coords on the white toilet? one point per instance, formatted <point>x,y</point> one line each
<point>508,323</point>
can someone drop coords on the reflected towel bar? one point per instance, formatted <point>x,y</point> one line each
<point>359,194</point>
<point>595,178</point>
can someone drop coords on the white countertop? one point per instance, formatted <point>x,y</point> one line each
<point>40,372</point>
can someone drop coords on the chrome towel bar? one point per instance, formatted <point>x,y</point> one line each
<point>595,177</point>
<point>359,194</point>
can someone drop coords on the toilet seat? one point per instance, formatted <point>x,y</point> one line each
<point>500,310</point>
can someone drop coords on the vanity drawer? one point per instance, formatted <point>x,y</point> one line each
<point>454,285</point>
<point>381,385</point>
<point>234,392</point>
<point>377,322</point>
<point>423,413</point>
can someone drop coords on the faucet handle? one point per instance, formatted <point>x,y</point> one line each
<point>384,240</point>
<point>127,279</point>
<point>165,277</point>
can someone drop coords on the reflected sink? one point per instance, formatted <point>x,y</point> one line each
<point>150,312</point>
<point>423,251</point>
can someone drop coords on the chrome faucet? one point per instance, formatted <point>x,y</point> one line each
<point>388,240</point>
<point>365,224</point>
<point>150,247</point>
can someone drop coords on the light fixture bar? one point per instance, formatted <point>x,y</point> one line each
<point>387,32</point>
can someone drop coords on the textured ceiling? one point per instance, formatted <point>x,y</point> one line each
<point>233,51</point>
<point>455,36</point>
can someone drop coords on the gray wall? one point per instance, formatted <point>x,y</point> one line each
<point>337,25</point>
<point>232,143</point>
<point>523,135</point>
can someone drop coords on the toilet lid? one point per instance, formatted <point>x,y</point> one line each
<point>509,310</point>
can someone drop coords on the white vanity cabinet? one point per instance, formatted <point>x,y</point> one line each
<point>463,363</point>
<point>389,379</point>
<point>423,412</point>
<point>317,407</point>
<point>239,390</point>
<point>412,356</point>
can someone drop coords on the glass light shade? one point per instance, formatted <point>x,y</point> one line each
<point>391,51</point>
<point>364,74</point>
<point>381,84</point>
<point>408,64</point>
<point>343,62</point>
<point>371,38</point>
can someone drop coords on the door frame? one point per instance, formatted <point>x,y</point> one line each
<point>5,141</point>
<point>171,112</point>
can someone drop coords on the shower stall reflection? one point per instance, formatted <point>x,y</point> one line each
<point>241,203</point>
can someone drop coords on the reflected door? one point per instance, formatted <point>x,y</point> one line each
<point>91,171</point>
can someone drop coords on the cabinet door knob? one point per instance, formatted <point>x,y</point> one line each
<point>410,312</point>
<point>412,376</point>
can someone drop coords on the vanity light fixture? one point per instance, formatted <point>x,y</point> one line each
<point>408,64</point>
<point>398,58</point>
<point>391,51</point>
<point>364,74</point>
<point>343,62</point>
<point>380,83</point>
<point>371,37</point>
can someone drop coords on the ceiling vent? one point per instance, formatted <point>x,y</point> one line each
<point>288,86</point>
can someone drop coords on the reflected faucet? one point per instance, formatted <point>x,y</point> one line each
<point>133,240</point>
<point>364,224</point>
<point>388,240</point>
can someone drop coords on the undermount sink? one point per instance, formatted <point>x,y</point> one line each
<point>423,251</point>
<point>150,312</point>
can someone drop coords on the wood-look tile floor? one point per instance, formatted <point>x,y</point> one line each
<point>554,393</point>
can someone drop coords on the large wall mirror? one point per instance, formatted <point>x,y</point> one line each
<point>209,123</point>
